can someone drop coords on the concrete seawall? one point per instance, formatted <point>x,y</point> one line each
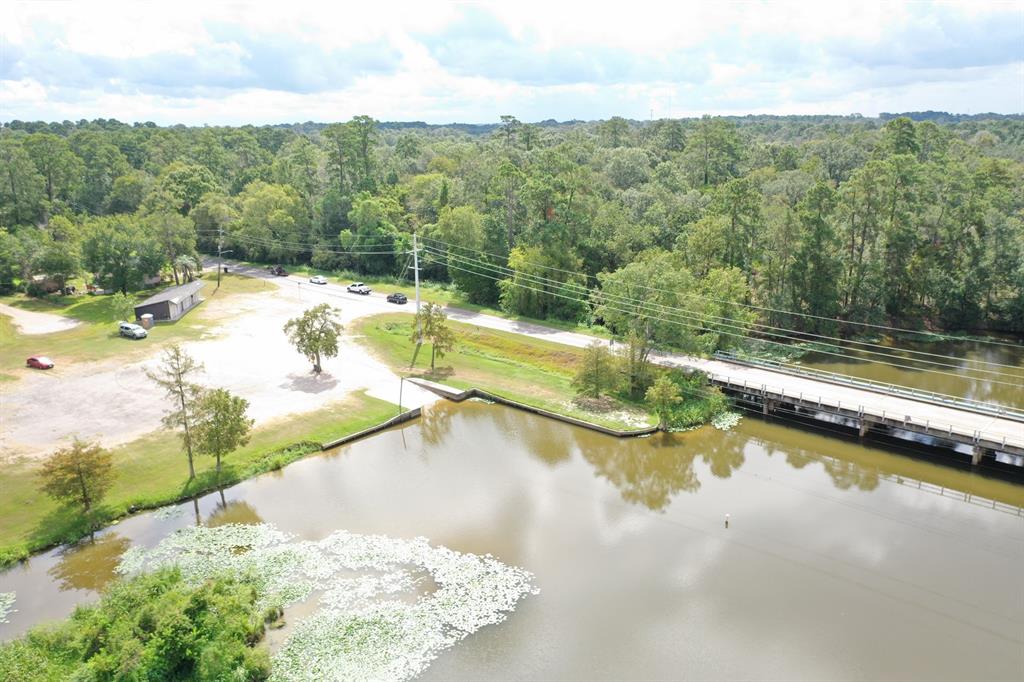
<point>457,395</point>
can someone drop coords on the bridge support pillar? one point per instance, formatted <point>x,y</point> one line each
<point>865,425</point>
<point>976,455</point>
<point>766,406</point>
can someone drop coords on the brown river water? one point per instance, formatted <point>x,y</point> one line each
<point>989,372</point>
<point>841,561</point>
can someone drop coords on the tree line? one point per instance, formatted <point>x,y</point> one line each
<point>813,221</point>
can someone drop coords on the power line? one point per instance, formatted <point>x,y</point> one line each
<point>693,325</point>
<point>745,305</point>
<point>698,319</point>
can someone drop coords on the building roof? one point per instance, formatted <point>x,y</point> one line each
<point>173,293</point>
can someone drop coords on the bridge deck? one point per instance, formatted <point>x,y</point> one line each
<point>965,426</point>
<point>991,431</point>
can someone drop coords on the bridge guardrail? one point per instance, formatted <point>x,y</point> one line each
<point>878,386</point>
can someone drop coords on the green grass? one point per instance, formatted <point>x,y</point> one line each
<point>514,366</point>
<point>96,338</point>
<point>153,471</point>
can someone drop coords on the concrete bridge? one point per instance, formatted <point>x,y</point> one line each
<point>975,429</point>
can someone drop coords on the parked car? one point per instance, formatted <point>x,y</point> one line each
<point>277,270</point>
<point>398,298</point>
<point>132,331</point>
<point>39,362</point>
<point>318,279</point>
<point>358,288</point>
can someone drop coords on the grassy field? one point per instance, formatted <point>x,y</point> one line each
<point>518,367</point>
<point>97,338</point>
<point>153,471</point>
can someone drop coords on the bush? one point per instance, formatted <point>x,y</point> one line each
<point>154,627</point>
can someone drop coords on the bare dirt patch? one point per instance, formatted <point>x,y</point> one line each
<point>29,322</point>
<point>114,402</point>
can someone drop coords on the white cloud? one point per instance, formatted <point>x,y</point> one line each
<point>211,62</point>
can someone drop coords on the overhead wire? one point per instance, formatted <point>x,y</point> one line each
<point>700,325</point>
<point>745,305</point>
<point>698,319</point>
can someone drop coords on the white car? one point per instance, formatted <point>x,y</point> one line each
<point>132,331</point>
<point>318,279</point>
<point>358,288</point>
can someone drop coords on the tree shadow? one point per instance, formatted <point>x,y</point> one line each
<point>310,383</point>
<point>66,524</point>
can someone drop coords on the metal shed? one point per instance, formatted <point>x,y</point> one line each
<point>170,304</point>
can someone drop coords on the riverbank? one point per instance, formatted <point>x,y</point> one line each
<point>152,472</point>
<point>526,370</point>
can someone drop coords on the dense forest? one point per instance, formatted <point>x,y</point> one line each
<point>700,228</point>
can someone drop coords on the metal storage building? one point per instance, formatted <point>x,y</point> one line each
<point>170,304</point>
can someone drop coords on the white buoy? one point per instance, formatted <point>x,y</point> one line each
<point>726,520</point>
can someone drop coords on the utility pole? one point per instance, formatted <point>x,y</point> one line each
<point>416,271</point>
<point>220,252</point>
<point>419,320</point>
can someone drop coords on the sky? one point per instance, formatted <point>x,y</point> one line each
<point>228,63</point>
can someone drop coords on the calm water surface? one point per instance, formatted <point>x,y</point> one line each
<point>836,565</point>
<point>965,378</point>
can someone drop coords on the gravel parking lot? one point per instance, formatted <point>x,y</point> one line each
<point>248,354</point>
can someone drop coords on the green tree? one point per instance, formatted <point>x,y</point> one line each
<point>129,191</point>
<point>22,187</point>
<point>545,284</point>
<point>59,260</point>
<point>640,301</point>
<point>315,334</point>
<point>58,165</point>
<point>80,474</point>
<point>122,307</point>
<point>597,372</point>
<point>663,396</point>
<point>431,324</point>
<point>176,235</point>
<point>121,253</point>
<point>713,151</point>
<point>175,375</point>
<point>103,164</point>
<point>187,184</point>
<point>613,132</point>
<point>271,222</point>
<point>221,425</point>
<point>815,271</point>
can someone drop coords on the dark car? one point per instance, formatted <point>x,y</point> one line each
<point>400,299</point>
<point>39,362</point>
<point>278,270</point>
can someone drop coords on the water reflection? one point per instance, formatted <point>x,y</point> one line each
<point>971,379</point>
<point>648,471</point>
<point>436,421</point>
<point>235,511</point>
<point>91,564</point>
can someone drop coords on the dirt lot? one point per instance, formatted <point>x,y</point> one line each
<point>29,322</point>
<point>249,355</point>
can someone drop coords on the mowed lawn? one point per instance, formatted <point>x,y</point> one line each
<point>96,338</point>
<point>154,470</point>
<point>524,369</point>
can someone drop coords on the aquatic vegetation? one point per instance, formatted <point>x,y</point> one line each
<point>169,512</point>
<point>361,630</point>
<point>6,605</point>
<point>726,420</point>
